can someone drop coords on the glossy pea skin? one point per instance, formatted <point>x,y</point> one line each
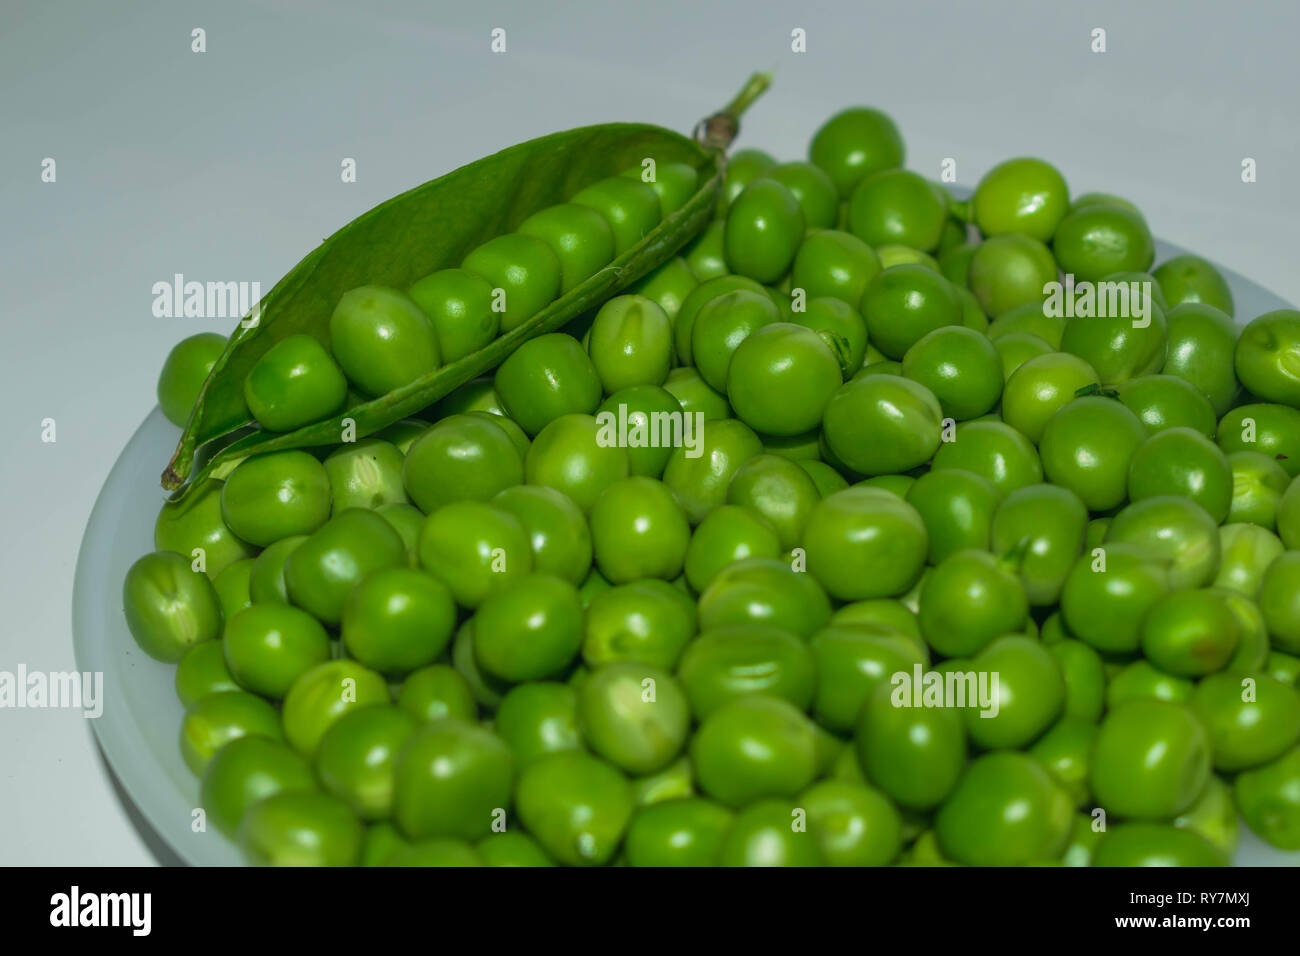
<point>169,606</point>
<point>1010,270</point>
<point>1085,679</point>
<point>1064,751</point>
<point>1190,633</point>
<point>558,534</point>
<point>1006,810</point>
<point>267,647</point>
<point>294,382</point>
<point>202,671</point>
<point>1174,530</point>
<point>233,587</point>
<point>685,832</point>
<point>960,366</point>
<point>463,457</point>
<point>1181,461</point>
<point>579,456</point>
<point>701,296</point>
<point>1040,387</point>
<point>674,183</point>
<point>195,525</point>
<point>579,236</point>
<point>721,325</point>
<point>1016,348</point>
<point>266,579</point>
<point>855,824</point>
<point>1030,693</point>
<point>300,829</point>
<point>1106,594</point>
<point>898,207</point>
<point>704,254</point>
<point>993,450</point>
<point>1271,429</point>
<point>763,834</point>
<point>631,208</point>
<point>545,378</point>
<point>453,778</point>
<point>1252,719</point>
<point>630,343</point>
<point>1151,760</point>
<point>576,806</point>
<point>728,534</point>
<point>778,491</point>
<point>668,286</point>
<point>1267,358</point>
<point>1166,401</point>
<point>1288,516</point>
<point>357,758</point>
<point>538,718</point>
<point>1087,446</point>
<point>477,395</point>
<point>1093,242</point>
<point>1155,844</point>
<point>459,307</point>
<point>1269,799</point>
<point>882,424</point>
<point>1120,347</point>
<point>216,719</point>
<point>855,143</point>
<point>780,378</point>
<point>737,661</point>
<point>957,507</point>
<point>1258,486</point>
<point>902,303</point>
<point>321,571</point>
<point>1279,600</point>
<point>272,496</point>
<point>367,474</point>
<point>1029,318</point>
<point>638,531</point>
<point>753,747</point>
<point>651,413</point>
<point>865,543</point>
<point>382,340</point>
<point>1023,195</point>
<point>699,476</point>
<point>1050,522</point>
<point>813,189</point>
<point>1213,817</point>
<point>851,661</point>
<point>1142,681</point>
<point>246,770</point>
<point>529,631</point>
<point>437,852</point>
<point>324,693</point>
<point>398,619</point>
<point>475,549</point>
<point>839,326</point>
<point>1202,341</point>
<point>633,715</point>
<point>914,754</point>
<point>1188,278</point>
<point>511,848</point>
<point>524,268</point>
<point>184,372</point>
<point>437,691</point>
<point>647,621</point>
<point>834,264</point>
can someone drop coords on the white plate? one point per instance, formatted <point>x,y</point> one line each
<point>139,729</point>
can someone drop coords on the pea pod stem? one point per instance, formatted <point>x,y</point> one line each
<point>715,133</point>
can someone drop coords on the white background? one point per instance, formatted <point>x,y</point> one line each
<point>225,165</point>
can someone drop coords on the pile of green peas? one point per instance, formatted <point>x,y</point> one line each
<point>498,637</point>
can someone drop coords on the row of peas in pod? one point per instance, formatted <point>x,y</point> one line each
<point>699,583</point>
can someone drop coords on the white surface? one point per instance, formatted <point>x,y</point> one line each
<point>225,166</point>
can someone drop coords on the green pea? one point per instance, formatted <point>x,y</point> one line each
<point>184,372</point>
<point>398,619</point>
<point>1267,358</point>
<point>855,143</point>
<point>539,718</point>
<point>704,255</point>
<point>882,424</point>
<point>526,271</point>
<point>267,647</point>
<point>1190,633</point>
<point>668,286</point>
<point>898,207</point>
<point>1031,318</point>
<point>246,770</point>
<point>647,621</point>
<point>511,848</point>
<point>721,325</point>
<point>364,474</point>
<point>1087,447</point>
<point>294,382</point>
<point>1269,799</point>
<point>1252,719</point>
<point>826,478</point>
<point>576,806</point>
<point>901,304</point>
<point>1283,667</point>
<point>1141,681</point>
<point>1028,696</point>
<point>453,779</point>
<point>1213,817</point>
<point>865,543</point>
<point>968,600</point>
<point>1166,401</point>
<point>839,326</point>
<point>649,412</point>
<point>1259,484</point>
<point>633,715</point>
<point>233,587</point>
<point>703,295</point>
<point>1121,346</point>
<point>686,832</point>
<point>202,671</point>
<point>1085,679</point>
<point>578,235</point>
<point>437,691</point>
<point>851,661</point>
<point>382,339</point>
<point>961,367</point>
<point>1252,650</point>
<point>300,829</point>
<point>1010,270</point>
<point>170,608</point>
<point>1201,342</point>
<point>699,476</point>
<point>1107,593</point>
<point>780,377</point>
<point>1017,348</point>
<point>727,535</point>
<point>638,531</point>
<point>1040,387</point>
<point>1047,524</point>
<point>834,264</point>
<point>1064,751</point>
<point>1023,195</point>
<point>194,526</point>
<point>459,306</point>
<point>673,182</point>
<point>630,343</point>
<point>631,208</point>
<point>1155,844</point>
<point>778,491</point>
<point>1151,760</point>
<point>1192,279</point>
<point>475,549</point>
<point>855,824</point>
<point>357,758</point>
<point>478,395</point>
<point>914,754</point>
<point>813,189</point>
<point>993,450</point>
<point>1173,530</point>
<point>324,693</point>
<point>529,631</point>
<point>1181,461</point>
<point>753,747</point>
<point>435,853</point>
<point>273,496</point>
<point>1006,810</point>
<point>320,571</point>
<point>218,718</point>
<point>1095,241</point>
<point>957,507</point>
<point>764,591</point>
<point>407,521</point>
<point>381,841</point>
<point>1273,430</point>
<point>695,396</point>
<point>558,535</point>
<point>574,455</point>
<point>738,661</point>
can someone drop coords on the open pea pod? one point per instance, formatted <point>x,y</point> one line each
<point>433,227</point>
